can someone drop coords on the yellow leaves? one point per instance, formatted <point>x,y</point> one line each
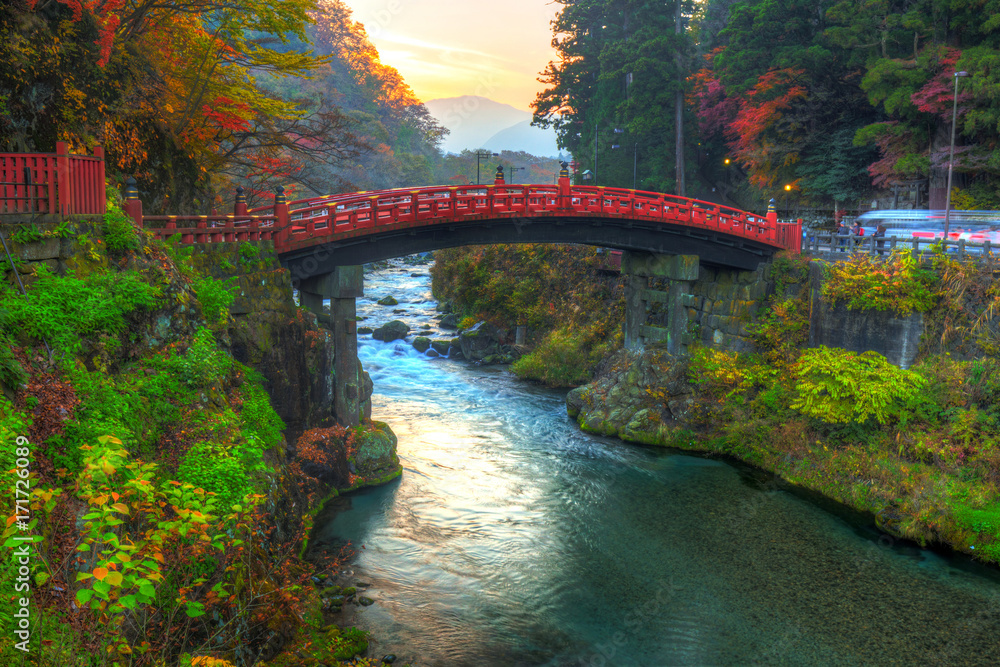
<point>206,661</point>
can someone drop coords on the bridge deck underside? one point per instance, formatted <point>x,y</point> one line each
<point>715,248</point>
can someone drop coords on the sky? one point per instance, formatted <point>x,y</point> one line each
<point>448,48</point>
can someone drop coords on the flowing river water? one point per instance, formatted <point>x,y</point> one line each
<point>513,538</point>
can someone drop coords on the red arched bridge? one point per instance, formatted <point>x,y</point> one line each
<point>313,236</point>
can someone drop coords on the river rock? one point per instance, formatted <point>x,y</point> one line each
<point>394,330</point>
<point>449,321</point>
<point>421,343</point>
<point>440,346</point>
<point>388,301</point>
<point>479,342</point>
<point>375,460</point>
<point>365,602</point>
<point>365,330</point>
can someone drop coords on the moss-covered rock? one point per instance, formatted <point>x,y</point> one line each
<point>374,458</point>
<point>421,343</point>
<point>390,331</point>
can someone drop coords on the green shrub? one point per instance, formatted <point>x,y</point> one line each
<point>561,360</point>
<point>66,309</point>
<point>120,234</point>
<point>215,297</point>
<point>12,375</point>
<point>249,253</point>
<point>897,283</point>
<point>258,418</point>
<point>218,469</point>
<point>839,387</point>
<point>201,366</point>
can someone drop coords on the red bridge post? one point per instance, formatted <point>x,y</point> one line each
<point>133,206</point>
<point>282,220</point>
<point>565,197</point>
<point>239,210</point>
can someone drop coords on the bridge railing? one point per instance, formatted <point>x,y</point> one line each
<point>311,220</point>
<point>834,246</point>
<point>212,228</point>
<point>59,183</point>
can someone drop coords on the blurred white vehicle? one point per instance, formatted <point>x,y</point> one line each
<point>973,226</point>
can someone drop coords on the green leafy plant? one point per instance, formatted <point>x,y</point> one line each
<point>897,284</point>
<point>839,387</point>
<point>26,234</point>
<point>11,372</point>
<point>119,231</point>
<point>201,366</point>
<point>65,309</point>
<point>215,297</point>
<point>249,253</point>
<point>725,374</point>
<point>563,359</point>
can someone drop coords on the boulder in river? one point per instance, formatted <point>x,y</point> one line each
<point>390,331</point>
<point>421,343</point>
<point>449,321</point>
<point>479,342</point>
<point>388,301</point>
<point>440,346</point>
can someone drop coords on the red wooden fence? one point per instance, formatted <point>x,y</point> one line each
<point>57,183</point>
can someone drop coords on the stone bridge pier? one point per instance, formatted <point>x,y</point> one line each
<point>674,300</point>
<point>657,292</point>
<point>341,286</point>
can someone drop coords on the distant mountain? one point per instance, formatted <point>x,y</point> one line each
<point>524,137</point>
<point>479,122</point>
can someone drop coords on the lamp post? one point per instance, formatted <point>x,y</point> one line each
<point>788,188</point>
<point>951,154</point>
<point>514,170</point>
<point>480,155</point>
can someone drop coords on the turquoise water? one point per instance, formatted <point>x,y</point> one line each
<point>513,538</point>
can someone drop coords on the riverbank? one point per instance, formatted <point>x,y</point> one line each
<point>174,410</point>
<point>928,473</point>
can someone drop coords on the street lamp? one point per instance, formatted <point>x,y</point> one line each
<point>951,154</point>
<point>514,170</point>
<point>788,188</point>
<point>480,156</point>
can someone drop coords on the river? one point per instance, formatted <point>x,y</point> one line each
<point>513,538</point>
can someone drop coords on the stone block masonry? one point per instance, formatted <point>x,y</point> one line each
<point>675,301</point>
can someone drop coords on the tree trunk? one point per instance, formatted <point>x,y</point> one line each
<point>679,105</point>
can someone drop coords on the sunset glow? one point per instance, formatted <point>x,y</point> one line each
<point>446,49</point>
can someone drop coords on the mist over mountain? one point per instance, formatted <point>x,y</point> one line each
<point>479,122</point>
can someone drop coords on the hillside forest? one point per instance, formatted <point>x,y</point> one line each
<point>195,97</point>
<point>820,103</point>
<point>840,101</point>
